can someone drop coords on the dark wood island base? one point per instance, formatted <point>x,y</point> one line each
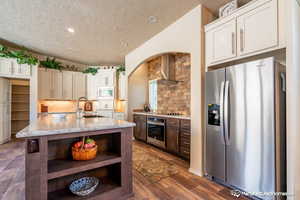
<point>50,168</point>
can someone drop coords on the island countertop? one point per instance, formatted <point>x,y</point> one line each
<point>51,124</point>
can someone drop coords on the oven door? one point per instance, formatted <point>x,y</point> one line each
<point>156,132</point>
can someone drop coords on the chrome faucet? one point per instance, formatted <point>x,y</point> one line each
<point>79,110</point>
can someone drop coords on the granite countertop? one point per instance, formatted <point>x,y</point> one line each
<point>162,115</point>
<point>68,123</point>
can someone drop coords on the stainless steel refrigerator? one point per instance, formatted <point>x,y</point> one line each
<point>245,126</point>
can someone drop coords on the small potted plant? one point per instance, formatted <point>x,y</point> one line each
<point>86,149</point>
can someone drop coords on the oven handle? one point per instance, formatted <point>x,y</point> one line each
<point>156,123</point>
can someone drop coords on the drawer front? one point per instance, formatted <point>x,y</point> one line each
<point>185,124</point>
<point>185,152</point>
<point>173,122</point>
<point>185,134</point>
<point>185,143</point>
<point>142,118</point>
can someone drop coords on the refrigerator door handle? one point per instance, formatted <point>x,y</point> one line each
<point>283,81</point>
<point>226,113</point>
<point>222,111</point>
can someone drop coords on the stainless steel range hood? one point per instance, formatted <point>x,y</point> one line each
<point>168,70</point>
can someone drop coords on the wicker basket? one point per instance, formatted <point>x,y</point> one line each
<point>84,154</point>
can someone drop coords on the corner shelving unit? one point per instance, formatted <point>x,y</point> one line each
<point>19,108</point>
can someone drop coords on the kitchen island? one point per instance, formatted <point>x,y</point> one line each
<point>50,168</point>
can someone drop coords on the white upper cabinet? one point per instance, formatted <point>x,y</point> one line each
<point>57,83</point>
<point>79,85</point>
<point>61,85</point>
<point>253,29</point>
<point>258,29</point>
<point>20,69</point>
<point>91,87</point>
<point>44,84</point>
<point>67,85</point>
<point>10,68</point>
<point>106,78</point>
<point>49,84</point>
<point>5,66</point>
<point>103,79</point>
<point>221,42</point>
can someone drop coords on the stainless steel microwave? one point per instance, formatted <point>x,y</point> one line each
<point>106,93</point>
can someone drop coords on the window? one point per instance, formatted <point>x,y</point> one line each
<point>153,95</point>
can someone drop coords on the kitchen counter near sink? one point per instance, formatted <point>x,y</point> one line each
<point>162,115</point>
<point>52,124</point>
<point>49,165</point>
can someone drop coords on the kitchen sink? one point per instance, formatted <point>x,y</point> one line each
<point>92,116</point>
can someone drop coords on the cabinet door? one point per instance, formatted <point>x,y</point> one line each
<point>106,78</point>
<point>111,79</point>
<point>185,138</point>
<point>258,29</point>
<point>67,85</point>
<point>57,84</point>
<point>25,70</point>
<point>44,84</point>
<point>173,139</point>
<point>79,85</point>
<point>5,111</point>
<point>92,87</point>
<point>21,69</point>
<point>106,104</point>
<point>5,66</point>
<point>5,91</point>
<point>173,135</point>
<point>5,133</point>
<point>221,43</point>
<point>140,130</point>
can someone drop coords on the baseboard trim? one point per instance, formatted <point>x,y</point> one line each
<point>196,172</point>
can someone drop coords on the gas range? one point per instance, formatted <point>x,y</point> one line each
<point>172,114</point>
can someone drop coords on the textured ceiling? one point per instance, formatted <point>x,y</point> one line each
<point>105,30</point>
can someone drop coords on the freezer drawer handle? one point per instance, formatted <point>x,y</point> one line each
<point>226,113</point>
<point>222,111</point>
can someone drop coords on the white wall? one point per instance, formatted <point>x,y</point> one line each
<point>293,99</point>
<point>182,36</point>
<point>137,89</point>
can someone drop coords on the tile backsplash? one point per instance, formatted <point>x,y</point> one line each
<point>173,97</point>
<point>60,106</point>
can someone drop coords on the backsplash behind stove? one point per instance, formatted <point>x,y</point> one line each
<point>173,97</point>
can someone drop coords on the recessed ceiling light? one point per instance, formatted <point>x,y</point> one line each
<point>71,30</point>
<point>152,19</point>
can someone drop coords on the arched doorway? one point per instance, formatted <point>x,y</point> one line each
<point>172,96</point>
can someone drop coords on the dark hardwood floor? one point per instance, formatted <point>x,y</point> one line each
<point>181,185</point>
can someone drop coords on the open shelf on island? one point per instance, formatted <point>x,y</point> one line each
<point>61,163</point>
<point>66,194</point>
<point>109,181</point>
<point>58,168</point>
